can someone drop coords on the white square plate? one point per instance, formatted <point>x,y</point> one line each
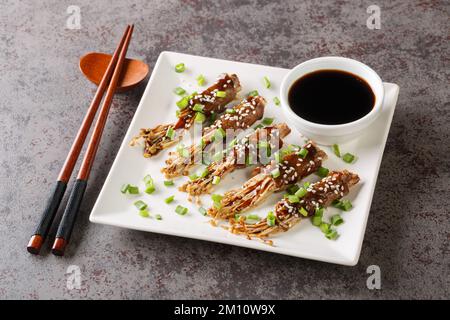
<point>157,106</point>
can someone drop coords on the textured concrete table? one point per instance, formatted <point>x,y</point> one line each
<point>44,96</point>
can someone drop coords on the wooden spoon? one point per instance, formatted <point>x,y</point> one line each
<point>93,65</point>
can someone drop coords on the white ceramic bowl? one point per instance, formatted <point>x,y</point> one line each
<point>330,134</point>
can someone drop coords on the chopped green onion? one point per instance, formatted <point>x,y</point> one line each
<point>303,212</point>
<point>183,103</point>
<point>199,117</point>
<point>270,219</point>
<point>219,134</point>
<point>185,153</point>
<point>276,101</point>
<point>150,189</point>
<point>168,183</point>
<point>301,192</point>
<point>158,217</point>
<point>318,212</point>
<point>253,217</point>
<point>193,176</point>
<point>179,91</point>
<point>266,82</point>
<point>248,160</point>
<point>291,148</point>
<point>141,205</point>
<point>348,157</point>
<point>303,153</point>
<point>293,199</point>
<point>277,157</point>
<point>177,113</point>
<point>124,188</point>
<point>217,198</point>
<point>149,184</point>
<point>322,172</point>
<point>233,142</point>
<point>324,227</point>
<point>169,199</point>
<point>200,80</point>
<point>230,110</point>
<point>259,126</point>
<point>170,133</point>
<point>198,107</point>
<point>181,210</point>
<point>292,189</point>
<point>317,221</point>
<point>336,150</point>
<point>133,189</point>
<point>203,211</point>
<point>344,205</point>
<point>192,95</point>
<point>306,184</point>
<point>267,121</point>
<point>180,67</point>
<point>216,180</point>
<point>275,173</point>
<point>204,172</point>
<point>336,220</point>
<point>144,213</point>
<point>332,235</point>
<point>148,179</point>
<point>253,93</point>
<point>182,151</point>
<point>237,216</point>
<point>263,144</point>
<point>221,94</point>
<point>202,143</point>
<point>268,151</point>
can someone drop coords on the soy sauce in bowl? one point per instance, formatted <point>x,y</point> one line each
<point>331,97</point>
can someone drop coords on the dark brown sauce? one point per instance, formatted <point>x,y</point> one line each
<point>331,97</point>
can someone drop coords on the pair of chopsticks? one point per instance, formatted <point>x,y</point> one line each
<point>109,84</point>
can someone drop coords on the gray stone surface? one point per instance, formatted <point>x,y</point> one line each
<point>44,96</point>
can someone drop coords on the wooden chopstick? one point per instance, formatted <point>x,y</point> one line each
<point>76,196</point>
<point>41,231</point>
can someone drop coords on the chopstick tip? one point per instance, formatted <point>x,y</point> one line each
<point>35,244</point>
<point>59,246</point>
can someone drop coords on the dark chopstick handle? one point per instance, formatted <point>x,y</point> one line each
<point>49,213</point>
<point>68,219</point>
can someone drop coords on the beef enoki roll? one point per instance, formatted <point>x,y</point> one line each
<point>306,202</point>
<point>212,100</point>
<point>240,117</point>
<point>272,178</point>
<point>261,143</point>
